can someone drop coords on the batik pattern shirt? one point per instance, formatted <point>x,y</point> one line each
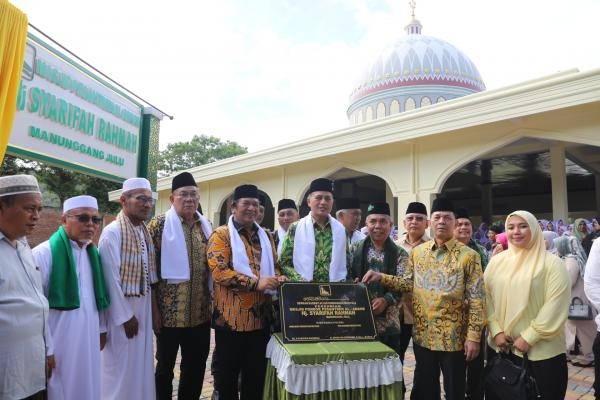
<point>323,251</point>
<point>388,322</point>
<point>406,300</point>
<point>483,253</point>
<point>448,294</point>
<point>185,304</point>
<point>238,306</point>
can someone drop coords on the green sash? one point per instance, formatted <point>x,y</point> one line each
<point>63,289</point>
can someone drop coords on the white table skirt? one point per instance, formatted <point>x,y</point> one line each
<point>345,374</point>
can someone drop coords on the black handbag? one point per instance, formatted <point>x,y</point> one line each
<point>505,380</point>
<point>578,310</point>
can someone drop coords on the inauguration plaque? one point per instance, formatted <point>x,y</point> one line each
<point>323,312</point>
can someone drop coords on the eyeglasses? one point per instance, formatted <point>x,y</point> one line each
<point>187,195</point>
<point>85,218</point>
<point>144,199</point>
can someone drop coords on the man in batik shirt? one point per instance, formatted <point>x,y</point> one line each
<point>182,311</point>
<point>464,234</point>
<point>243,263</point>
<point>379,253</point>
<point>448,297</point>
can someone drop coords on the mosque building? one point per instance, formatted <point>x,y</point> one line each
<point>421,123</point>
<point>415,71</point>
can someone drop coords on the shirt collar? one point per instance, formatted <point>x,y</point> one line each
<point>239,227</point>
<point>448,245</point>
<point>22,239</point>
<point>314,222</point>
<point>196,218</point>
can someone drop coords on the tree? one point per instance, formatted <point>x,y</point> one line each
<point>199,151</point>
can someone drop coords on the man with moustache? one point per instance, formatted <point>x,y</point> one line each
<point>127,254</point>
<point>446,279</point>
<point>73,282</point>
<point>182,292</point>
<point>463,232</point>
<point>349,214</point>
<point>243,263</point>
<point>314,249</point>
<point>23,307</point>
<point>378,252</point>
<point>287,213</point>
<point>415,224</point>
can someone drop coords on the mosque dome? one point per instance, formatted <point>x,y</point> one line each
<point>415,71</point>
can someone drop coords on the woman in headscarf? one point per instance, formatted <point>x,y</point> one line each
<point>481,234</point>
<point>501,244</point>
<point>579,229</point>
<point>574,257</point>
<point>527,301</point>
<point>549,240</point>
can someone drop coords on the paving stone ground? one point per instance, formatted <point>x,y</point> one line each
<point>579,387</point>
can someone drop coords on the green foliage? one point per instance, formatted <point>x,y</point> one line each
<point>199,151</point>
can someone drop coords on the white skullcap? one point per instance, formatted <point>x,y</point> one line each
<point>18,184</point>
<point>79,202</point>
<point>136,183</point>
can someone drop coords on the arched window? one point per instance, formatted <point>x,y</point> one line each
<point>369,114</point>
<point>380,110</point>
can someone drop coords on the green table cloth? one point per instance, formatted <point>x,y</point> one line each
<point>332,370</point>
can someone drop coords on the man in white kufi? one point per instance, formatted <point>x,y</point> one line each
<point>127,255</point>
<point>74,284</point>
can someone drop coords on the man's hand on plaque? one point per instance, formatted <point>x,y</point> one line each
<point>378,304</point>
<point>371,276</point>
<point>267,282</point>
<point>282,279</point>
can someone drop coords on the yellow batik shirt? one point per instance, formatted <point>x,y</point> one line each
<point>448,294</point>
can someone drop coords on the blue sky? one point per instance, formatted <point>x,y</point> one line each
<point>268,72</point>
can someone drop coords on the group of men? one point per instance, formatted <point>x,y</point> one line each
<point>83,318</point>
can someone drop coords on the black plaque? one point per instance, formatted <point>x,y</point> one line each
<point>322,312</point>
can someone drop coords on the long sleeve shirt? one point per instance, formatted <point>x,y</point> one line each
<point>238,306</point>
<point>323,253</point>
<point>448,296</point>
<point>185,304</point>
<point>388,322</point>
<point>406,301</point>
<point>591,278</point>
<point>541,323</point>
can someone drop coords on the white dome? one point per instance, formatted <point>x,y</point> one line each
<point>416,69</point>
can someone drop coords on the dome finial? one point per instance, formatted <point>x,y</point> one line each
<point>414,28</point>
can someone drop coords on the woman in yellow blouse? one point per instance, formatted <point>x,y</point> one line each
<point>527,301</point>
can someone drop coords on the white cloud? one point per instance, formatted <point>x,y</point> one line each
<point>262,76</point>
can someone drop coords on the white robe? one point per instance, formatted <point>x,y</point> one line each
<point>75,333</point>
<point>127,364</point>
